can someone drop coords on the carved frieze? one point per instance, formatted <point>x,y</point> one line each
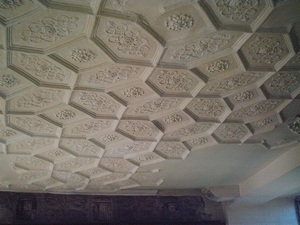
<point>172,150</point>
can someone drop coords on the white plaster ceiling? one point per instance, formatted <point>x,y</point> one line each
<point>102,96</point>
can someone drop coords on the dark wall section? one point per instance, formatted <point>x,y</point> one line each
<point>29,208</point>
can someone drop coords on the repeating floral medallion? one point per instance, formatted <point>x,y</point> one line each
<point>238,10</point>
<point>265,50</point>
<point>83,55</point>
<point>244,96</point>
<point>10,4</point>
<point>98,102</point>
<point>127,40</point>
<point>156,105</point>
<point>50,29</point>
<point>202,47</point>
<point>113,75</point>
<point>33,124</point>
<point>65,114</point>
<point>218,66</point>
<point>41,67</point>
<point>208,107</point>
<point>284,82</point>
<point>175,81</point>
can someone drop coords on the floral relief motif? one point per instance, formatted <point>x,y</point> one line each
<point>191,130</point>
<point>232,132</point>
<point>174,118</point>
<point>156,105</point>
<point>35,125</point>
<point>133,92</point>
<point>82,146</point>
<point>202,47</point>
<point>75,163</point>
<point>33,175</point>
<point>83,55</point>
<point>7,133</point>
<point>263,122</point>
<point>145,157</point>
<point>39,98</point>
<point>55,153</point>
<point>128,40</point>
<point>146,178</point>
<point>173,80</point>
<point>31,162</point>
<point>90,127</point>
<point>120,2</point>
<point>284,83</point>
<point>208,107</point>
<point>65,114</point>
<point>46,183</point>
<point>256,109</point>
<point>218,66</point>
<point>41,67</point>
<point>139,129</point>
<point>171,149</point>
<point>179,21</point>
<point>199,141</point>
<point>117,164</point>
<point>33,144</point>
<point>113,75</point>
<point>98,102</point>
<point>265,50</point>
<point>50,29</point>
<point>68,177</point>
<point>109,138</point>
<point>8,81</point>
<point>129,148</point>
<point>234,82</point>
<point>10,4</point>
<point>238,10</point>
<point>244,96</point>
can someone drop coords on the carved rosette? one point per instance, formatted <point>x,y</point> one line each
<point>178,22</point>
<point>218,66</point>
<point>146,159</point>
<point>8,81</point>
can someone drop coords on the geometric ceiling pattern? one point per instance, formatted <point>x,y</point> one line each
<point>94,92</point>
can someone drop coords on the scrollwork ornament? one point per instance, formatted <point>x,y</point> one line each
<point>33,124</point>
<point>7,133</point>
<point>98,102</point>
<point>41,67</point>
<point>139,128</point>
<point>174,80</point>
<point>156,105</point>
<point>238,10</point>
<point>265,50</point>
<point>90,127</point>
<point>10,4</point>
<point>33,144</point>
<point>82,146</point>
<point>234,82</point>
<point>208,107</point>
<point>284,82</point>
<point>38,98</point>
<point>112,75</point>
<point>8,81</point>
<point>50,29</point>
<point>202,47</point>
<point>129,41</point>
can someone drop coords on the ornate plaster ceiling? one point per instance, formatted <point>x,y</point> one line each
<point>102,96</point>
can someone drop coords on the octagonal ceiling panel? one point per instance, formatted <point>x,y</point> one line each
<point>102,96</point>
